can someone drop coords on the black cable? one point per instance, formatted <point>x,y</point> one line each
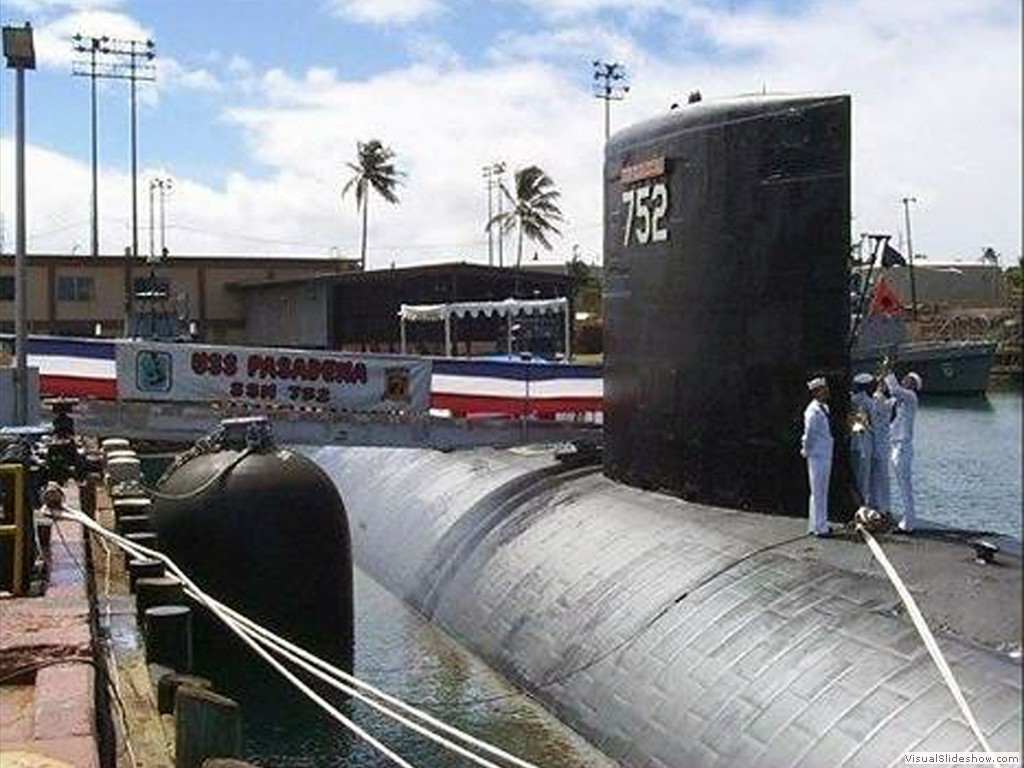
<point>43,664</point>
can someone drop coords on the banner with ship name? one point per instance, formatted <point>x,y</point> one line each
<point>202,373</point>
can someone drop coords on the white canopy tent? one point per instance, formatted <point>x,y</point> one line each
<point>508,308</point>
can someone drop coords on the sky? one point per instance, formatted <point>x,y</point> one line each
<point>258,105</point>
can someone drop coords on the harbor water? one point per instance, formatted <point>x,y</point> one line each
<point>967,475</point>
<point>967,463</point>
<point>401,653</point>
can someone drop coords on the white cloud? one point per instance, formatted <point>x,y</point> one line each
<point>397,12</point>
<point>433,52</point>
<point>55,48</point>
<point>579,44</point>
<point>42,6</point>
<point>444,129</point>
<point>575,9</point>
<point>54,43</point>
<point>937,114</point>
<point>936,105</point>
<point>174,74</point>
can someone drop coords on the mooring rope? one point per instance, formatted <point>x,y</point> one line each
<point>337,678</point>
<point>929,639</point>
<point>257,636</point>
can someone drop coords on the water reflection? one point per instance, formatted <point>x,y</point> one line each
<point>401,653</point>
<point>977,403</point>
<point>967,463</point>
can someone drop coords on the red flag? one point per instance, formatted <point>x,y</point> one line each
<point>885,301</point>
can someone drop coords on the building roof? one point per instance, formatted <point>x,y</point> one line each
<point>326,263</point>
<point>378,276</point>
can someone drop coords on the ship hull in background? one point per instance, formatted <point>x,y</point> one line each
<point>947,368</point>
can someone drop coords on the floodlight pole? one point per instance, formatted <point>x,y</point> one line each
<point>488,173</point>
<point>498,169</point>
<point>92,46</point>
<point>114,66</point>
<point>493,174</point>
<point>20,55</point>
<point>609,87</point>
<point>910,253</point>
<point>135,158</point>
<point>20,271</point>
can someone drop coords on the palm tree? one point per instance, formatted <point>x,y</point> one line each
<point>534,210</point>
<point>374,167</point>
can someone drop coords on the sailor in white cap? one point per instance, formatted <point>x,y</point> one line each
<point>901,439</point>
<point>816,447</point>
<point>861,435</point>
<point>881,415</point>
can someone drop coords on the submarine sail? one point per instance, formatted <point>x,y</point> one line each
<point>726,242</point>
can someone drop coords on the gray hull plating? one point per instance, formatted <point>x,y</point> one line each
<point>674,634</point>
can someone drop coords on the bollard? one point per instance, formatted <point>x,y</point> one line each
<point>114,444</point>
<point>131,505</point>
<point>161,590</point>
<point>143,569</point>
<point>122,453</point>
<point>87,496</point>
<point>147,539</point>
<point>168,630</point>
<point>167,687</point>
<point>156,671</point>
<point>123,469</point>
<point>133,524</point>
<point>205,725</point>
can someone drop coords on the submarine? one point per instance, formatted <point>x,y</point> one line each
<point>666,602</point>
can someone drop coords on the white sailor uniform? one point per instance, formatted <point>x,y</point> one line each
<point>901,438</point>
<point>881,415</point>
<point>862,444</point>
<point>816,446</point>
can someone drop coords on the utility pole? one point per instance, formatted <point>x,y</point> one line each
<point>128,60</point>
<point>910,254</point>
<point>609,85</point>
<point>493,173</point>
<point>87,68</point>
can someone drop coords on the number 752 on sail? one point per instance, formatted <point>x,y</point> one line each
<point>646,207</point>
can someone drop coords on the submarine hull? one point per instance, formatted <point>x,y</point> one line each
<point>671,633</point>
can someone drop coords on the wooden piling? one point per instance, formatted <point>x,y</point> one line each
<point>87,494</point>
<point>133,524</point>
<point>168,631</point>
<point>147,539</point>
<point>160,590</point>
<point>167,688</point>
<point>143,569</point>
<point>131,505</point>
<point>205,725</point>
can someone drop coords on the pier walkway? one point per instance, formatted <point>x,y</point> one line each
<point>47,670</point>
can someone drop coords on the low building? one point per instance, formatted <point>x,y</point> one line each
<point>950,286</point>
<point>358,311</point>
<point>86,296</point>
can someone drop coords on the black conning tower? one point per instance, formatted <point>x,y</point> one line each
<point>727,231</point>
